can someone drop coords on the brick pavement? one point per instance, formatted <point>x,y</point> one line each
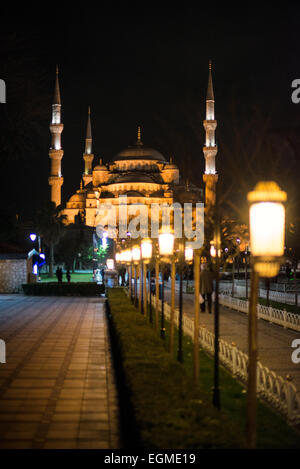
<point>57,388</point>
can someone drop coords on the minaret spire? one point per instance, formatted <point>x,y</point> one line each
<point>210,89</point>
<point>88,138</point>
<point>56,98</point>
<point>88,155</point>
<point>139,136</point>
<point>56,152</point>
<point>210,149</point>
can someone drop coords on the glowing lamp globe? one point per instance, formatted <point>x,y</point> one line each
<point>213,251</point>
<point>188,254</point>
<point>127,256</point>
<point>110,264</point>
<point>146,249</point>
<point>122,259</point>
<point>32,236</point>
<point>267,226</point>
<point>166,244</point>
<point>136,254</point>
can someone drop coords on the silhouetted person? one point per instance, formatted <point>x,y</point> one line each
<point>68,275</point>
<point>59,274</point>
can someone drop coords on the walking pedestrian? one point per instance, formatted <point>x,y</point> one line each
<point>59,274</point>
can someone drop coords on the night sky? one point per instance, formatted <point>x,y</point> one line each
<point>143,66</point>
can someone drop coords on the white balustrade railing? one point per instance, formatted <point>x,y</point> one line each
<point>279,296</point>
<point>273,315</point>
<point>280,393</point>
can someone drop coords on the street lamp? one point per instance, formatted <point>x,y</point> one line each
<point>128,261</point>
<point>181,261</point>
<point>267,225</point>
<point>166,249</point>
<point>215,252</point>
<point>136,257</point>
<point>193,257</point>
<point>146,250</point>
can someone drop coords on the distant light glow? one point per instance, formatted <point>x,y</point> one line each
<point>32,236</point>
<point>35,269</point>
<point>42,256</point>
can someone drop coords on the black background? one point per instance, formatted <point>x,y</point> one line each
<point>138,64</point>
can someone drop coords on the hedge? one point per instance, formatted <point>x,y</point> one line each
<point>63,289</point>
<point>168,410</point>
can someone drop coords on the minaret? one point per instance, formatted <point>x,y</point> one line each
<point>88,155</point>
<point>210,149</point>
<point>56,152</point>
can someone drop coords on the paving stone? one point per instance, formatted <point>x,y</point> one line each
<point>54,388</point>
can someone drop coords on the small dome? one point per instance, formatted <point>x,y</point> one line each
<point>100,166</point>
<point>78,197</point>
<point>170,164</point>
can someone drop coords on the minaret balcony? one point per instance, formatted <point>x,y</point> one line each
<point>55,181</point>
<point>56,128</point>
<point>210,151</point>
<point>56,154</point>
<point>210,124</point>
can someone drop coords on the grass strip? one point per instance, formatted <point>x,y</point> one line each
<point>169,411</point>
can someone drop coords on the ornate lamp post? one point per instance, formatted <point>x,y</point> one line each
<point>215,253</point>
<point>146,250</point>
<point>191,256</point>
<point>136,256</point>
<point>247,252</point>
<point>128,261</point>
<point>181,263</point>
<point>166,249</point>
<point>267,226</point>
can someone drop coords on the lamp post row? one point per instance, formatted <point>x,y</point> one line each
<point>137,258</point>
<point>267,230</point>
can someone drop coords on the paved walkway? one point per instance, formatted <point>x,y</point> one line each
<point>57,386</point>
<point>274,342</point>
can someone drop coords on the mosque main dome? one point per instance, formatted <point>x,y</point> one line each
<point>139,152</point>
